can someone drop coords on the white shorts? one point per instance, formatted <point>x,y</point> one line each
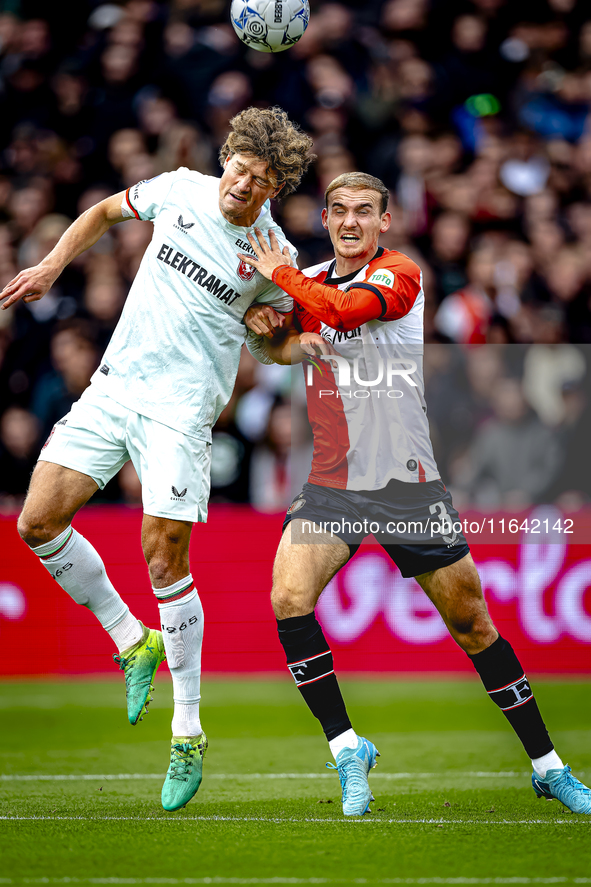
<point>99,435</point>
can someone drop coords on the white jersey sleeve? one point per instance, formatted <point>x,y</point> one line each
<point>145,200</point>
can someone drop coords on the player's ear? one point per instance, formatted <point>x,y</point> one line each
<point>277,190</point>
<point>325,219</point>
<point>386,222</point>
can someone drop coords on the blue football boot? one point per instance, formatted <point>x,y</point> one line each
<point>353,766</point>
<point>561,784</point>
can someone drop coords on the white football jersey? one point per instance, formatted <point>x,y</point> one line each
<point>174,354</point>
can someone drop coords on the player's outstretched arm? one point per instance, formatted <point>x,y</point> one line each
<point>31,284</point>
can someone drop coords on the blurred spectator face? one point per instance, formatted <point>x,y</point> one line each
<point>104,300</point>
<point>546,239</point>
<point>27,206</point>
<point>518,255</point>
<point>579,217</point>
<point>138,168</point>
<point>404,15</point>
<point>447,153</point>
<point>583,156</point>
<point>44,237</point>
<point>541,207</point>
<point>484,367</point>
<point>326,121</point>
<point>10,31</point>
<point>355,221</point>
<point>35,38</point>
<point>127,33</point>
<point>19,431</point>
<point>469,33</point>
<point>91,197</point>
<point>331,164</point>
<point>118,64</point>
<point>481,269</point>
<point>585,41</point>
<point>179,39</point>
<point>123,146</point>
<point>415,155</point>
<point>156,115</point>
<point>330,82</point>
<point>450,236</point>
<point>299,216</point>
<point>74,357</point>
<point>415,79</point>
<point>565,275</point>
<point>508,401</point>
<point>69,91</point>
<point>336,22</point>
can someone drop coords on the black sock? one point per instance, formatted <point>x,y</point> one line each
<point>310,662</point>
<point>507,685</point>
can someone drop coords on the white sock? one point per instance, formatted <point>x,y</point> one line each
<point>551,761</point>
<point>78,569</point>
<point>126,633</point>
<point>181,615</point>
<point>348,739</point>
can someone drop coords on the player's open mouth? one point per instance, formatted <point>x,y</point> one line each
<point>349,238</point>
<point>238,199</point>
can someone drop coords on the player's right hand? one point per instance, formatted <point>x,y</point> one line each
<point>30,285</point>
<point>314,344</point>
<point>263,320</point>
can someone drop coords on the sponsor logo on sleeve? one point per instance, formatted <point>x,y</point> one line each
<point>382,277</point>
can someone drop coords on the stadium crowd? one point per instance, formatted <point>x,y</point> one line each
<point>476,115</point>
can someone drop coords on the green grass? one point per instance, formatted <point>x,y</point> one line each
<point>244,828</point>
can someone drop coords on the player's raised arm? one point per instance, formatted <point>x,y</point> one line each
<point>32,284</point>
<point>340,309</point>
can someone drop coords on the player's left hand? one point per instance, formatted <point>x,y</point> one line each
<point>268,256</point>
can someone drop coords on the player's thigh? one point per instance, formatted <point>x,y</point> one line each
<point>457,593</point>
<point>302,569</point>
<point>55,495</point>
<point>83,452</point>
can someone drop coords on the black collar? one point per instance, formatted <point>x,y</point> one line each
<point>335,281</point>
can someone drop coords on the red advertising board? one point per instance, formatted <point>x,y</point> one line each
<point>539,597</point>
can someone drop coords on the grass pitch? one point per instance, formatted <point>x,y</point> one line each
<point>80,789</point>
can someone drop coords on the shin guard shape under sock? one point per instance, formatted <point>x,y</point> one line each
<point>310,662</point>
<point>181,615</point>
<point>506,684</point>
<point>77,567</point>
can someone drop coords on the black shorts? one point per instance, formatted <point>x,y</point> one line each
<point>416,524</point>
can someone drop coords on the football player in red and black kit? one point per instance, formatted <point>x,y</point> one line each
<point>373,462</point>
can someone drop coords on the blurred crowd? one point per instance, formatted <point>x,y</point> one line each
<point>475,113</point>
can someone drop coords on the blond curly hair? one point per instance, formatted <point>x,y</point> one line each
<point>269,134</point>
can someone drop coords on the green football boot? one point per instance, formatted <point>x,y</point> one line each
<point>185,772</point>
<point>139,665</point>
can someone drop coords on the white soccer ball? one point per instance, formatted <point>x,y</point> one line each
<point>270,25</point>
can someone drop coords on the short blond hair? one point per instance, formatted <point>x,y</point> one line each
<point>358,181</point>
<point>269,134</point>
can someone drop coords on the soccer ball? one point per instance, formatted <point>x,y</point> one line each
<point>270,25</point>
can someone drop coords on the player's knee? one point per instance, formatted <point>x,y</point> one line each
<point>34,532</point>
<point>287,602</point>
<point>473,632</point>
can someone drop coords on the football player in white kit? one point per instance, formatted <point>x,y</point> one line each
<point>165,377</point>
<point>373,466</point>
